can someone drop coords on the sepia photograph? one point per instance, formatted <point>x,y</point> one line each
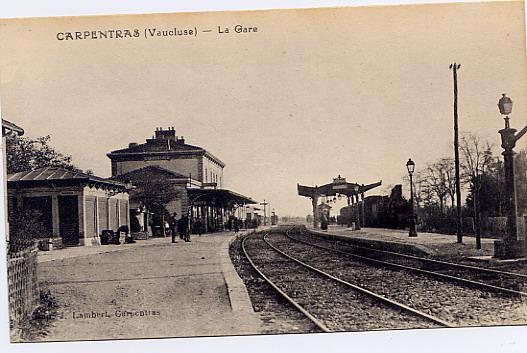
<point>305,171</point>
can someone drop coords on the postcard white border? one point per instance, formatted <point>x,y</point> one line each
<point>481,340</point>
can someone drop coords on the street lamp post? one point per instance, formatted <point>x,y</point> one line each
<point>511,245</point>
<point>410,166</point>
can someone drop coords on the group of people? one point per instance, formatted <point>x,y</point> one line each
<point>183,226</point>
<point>179,227</point>
<point>234,224</point>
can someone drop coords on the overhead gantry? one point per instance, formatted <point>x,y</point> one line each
<point>339,186</point>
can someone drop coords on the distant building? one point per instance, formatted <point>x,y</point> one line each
<point>274,219</point>
<point>71,206</point>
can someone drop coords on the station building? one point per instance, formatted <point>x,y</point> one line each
<point>170,152</point>
<point>191,174</point>
<point>72,207</point>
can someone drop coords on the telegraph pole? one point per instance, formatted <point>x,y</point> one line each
<point>459,230</point>
<point>264,204</point>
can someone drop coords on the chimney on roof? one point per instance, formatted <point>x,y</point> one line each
<point>168,134</point>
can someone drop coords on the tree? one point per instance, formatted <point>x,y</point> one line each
<point>26,225</point>
<point>156,194</point>
<point>423,194</point>
<point>520,171</point>
<point>476,158</point>
<point>448,167</point>
<point>23,153</point>
<point>435,179</point>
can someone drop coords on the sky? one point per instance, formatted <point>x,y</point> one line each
<point>311,95</point>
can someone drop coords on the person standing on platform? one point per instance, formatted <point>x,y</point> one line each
<point>172,221</point>
<point>197,226</point>
<point>183,228</point>
<point>236,225</point>
<point>324,222</point>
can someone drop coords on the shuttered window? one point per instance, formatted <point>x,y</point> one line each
<point>124,212</point>
<point>103,214</point>
<point>91,220</point>
<point>113,214</point>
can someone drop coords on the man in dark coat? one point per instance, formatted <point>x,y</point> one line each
<point>236,225</point>
<point>183,228</point>
<point>197,226</point>
<point>172,222</point>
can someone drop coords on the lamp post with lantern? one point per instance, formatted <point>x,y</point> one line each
<point>510,247</point>
<point>410,166</point>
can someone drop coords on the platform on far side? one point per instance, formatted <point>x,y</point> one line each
<point>432,244</point>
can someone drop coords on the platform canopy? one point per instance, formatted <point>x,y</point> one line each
<point>338,186</point>
<point>217,198</point>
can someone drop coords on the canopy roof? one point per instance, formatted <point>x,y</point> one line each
<point>58,175</point>
<point>217,197</point>
<point>332,189</point>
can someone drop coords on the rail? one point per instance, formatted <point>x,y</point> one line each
<point>418,270</point>
<point>301,309</point>
<point>361,289</point>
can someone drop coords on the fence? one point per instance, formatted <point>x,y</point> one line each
<point>22,279</point>
<point>490,226</point>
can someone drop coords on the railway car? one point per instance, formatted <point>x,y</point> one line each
<point>379,211</point>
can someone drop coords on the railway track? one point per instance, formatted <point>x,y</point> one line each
<point>503,282</point>
<point>460,305</point>
<point>329,302</point>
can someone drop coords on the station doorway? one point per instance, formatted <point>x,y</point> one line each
<point>69,219</point>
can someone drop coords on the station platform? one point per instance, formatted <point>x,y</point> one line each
<point>165,289</point>
<point>432,244</point>
<point>81,251</point>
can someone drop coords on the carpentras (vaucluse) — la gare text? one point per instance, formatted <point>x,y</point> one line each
<point>151,32</point>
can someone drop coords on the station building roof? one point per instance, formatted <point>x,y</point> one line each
<point>151,169</point>
<point>60,176</point>
<point>8,126</point>
<point>162,143</point>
